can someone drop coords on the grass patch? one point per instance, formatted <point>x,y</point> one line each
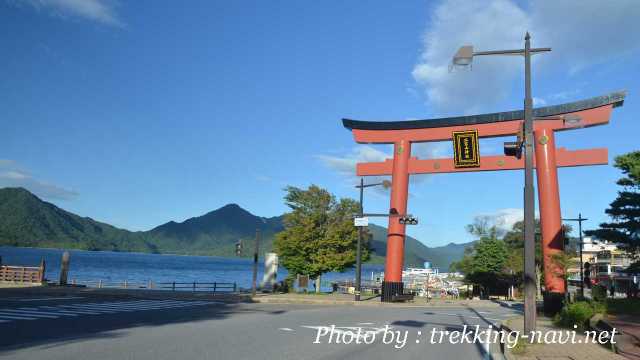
<point>520,348</point>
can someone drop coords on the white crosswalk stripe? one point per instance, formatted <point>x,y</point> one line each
<point>13,317</point>
<point>28,313</point>
<point>94,308</point>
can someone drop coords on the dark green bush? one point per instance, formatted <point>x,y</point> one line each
<point>623,306</point>
<point>577,313</point>
<point>599,293</point>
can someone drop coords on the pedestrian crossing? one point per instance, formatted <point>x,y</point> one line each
<point>30,313</point>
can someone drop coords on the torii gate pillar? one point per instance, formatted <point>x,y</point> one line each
<point>550,215</point>
<point>392,284</point>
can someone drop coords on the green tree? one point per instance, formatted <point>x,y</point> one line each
<point>318,235</point>
<point>624,211</point>
<point>485,263</point>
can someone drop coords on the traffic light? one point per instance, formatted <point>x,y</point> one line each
<point>587,274</point>
<point>239,248</point>
<point>408,220</point>
<point>514,148</point>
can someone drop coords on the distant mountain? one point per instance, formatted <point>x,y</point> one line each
<point>415,252</point>
<point>216,232</point>
<point>25,220</point>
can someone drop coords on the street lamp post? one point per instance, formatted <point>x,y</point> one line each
<point>580,219</point>
<point>464,57</point>
<point>386,184</point>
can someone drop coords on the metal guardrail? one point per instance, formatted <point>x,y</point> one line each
<point>195,286</point>
<point>226,287</point>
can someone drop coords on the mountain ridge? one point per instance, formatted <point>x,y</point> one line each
<point>26,220</point>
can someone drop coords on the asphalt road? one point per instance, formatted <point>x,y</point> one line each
<point>96,327</point>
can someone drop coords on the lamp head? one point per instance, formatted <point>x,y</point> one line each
<point>464,56</point>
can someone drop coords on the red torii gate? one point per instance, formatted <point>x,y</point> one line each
<point>579,114</point>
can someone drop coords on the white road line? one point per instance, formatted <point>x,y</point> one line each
<point>471,317</point>
<point>13,317</point>
<point>285,329</point>
<point>134,306</point>
<point>365,323</point>
<point>46,311</point>
<point>74,311</point>
<point>104,309</point>
<point>114,305</point>
<point>127,308</point>
<point>84,308</point>
<point>50,298</point>
<point>340,330</point>
<point>32,313</point>
<point>12,314</point>
<point>4,321</point>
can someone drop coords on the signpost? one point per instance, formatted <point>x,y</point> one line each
<point>466,151</point>
<point>361,221</point>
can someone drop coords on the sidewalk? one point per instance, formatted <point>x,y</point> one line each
<point>580,351</point>
<point>366,300</point>
<point>629,325</point>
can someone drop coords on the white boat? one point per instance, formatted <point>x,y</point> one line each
<point>417,272</point>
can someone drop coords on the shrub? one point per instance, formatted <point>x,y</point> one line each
<point>577,313</point>
<point>599,293</point>
<point>623,306</point>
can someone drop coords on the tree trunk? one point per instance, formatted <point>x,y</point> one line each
<point>318,282</point>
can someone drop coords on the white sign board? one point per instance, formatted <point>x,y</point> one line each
<point>361,221</point>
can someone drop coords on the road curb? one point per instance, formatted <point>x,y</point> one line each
<point>283,300</point>
<point>625,343</point>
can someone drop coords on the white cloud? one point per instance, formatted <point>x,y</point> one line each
<point>539,101</point>
<point>101,11</point>
<point>581,35</point>
<point>585,34</point>
<point>345,165</point>
<point>504,219</point>
<point>456,23</point>
<point>12,176</point>
<point>263,178</point>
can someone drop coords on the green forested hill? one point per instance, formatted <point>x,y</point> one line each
<point>25,220</point>
<point>216,232</point>
<point>415,252</point>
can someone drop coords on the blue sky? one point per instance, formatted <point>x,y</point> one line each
<point>140,112</point>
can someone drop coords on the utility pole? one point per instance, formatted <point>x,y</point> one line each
<point>386,184</point>
<point>359,250</point>
<point>529,201</point>
<point>464,57</point>
<point>580,219</point>
<point>255,264</point>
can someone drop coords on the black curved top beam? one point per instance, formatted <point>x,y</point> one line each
<point>616,98</point>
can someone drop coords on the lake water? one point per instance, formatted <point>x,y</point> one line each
<point>87,267</point>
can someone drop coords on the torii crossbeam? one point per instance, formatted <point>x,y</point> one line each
<point>548,120</point>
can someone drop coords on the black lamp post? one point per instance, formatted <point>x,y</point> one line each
<point>580,219</point>
<point>464,57</point>
<point>386,184</point>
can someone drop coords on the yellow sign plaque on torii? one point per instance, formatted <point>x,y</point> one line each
<point>466,150</point>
